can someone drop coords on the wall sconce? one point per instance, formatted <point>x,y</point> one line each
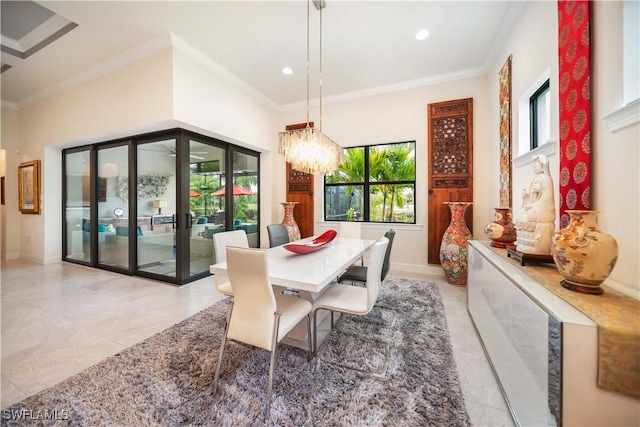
<point>159,204</point>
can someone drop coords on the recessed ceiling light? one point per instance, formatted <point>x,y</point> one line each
<point>422,34</point>
<point>288,71</point>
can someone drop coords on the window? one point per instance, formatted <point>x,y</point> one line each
<point>540,115</point>
<point>374,183</point>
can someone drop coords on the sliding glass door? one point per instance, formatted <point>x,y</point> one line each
<point>245,197</point>
<point>77,203</point>
<point>150,205</point>
<point>113,208</point>
<point>156,207</point>
<point>206,208</point>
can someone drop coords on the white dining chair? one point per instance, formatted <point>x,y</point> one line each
<point>220,242</point>
<point>349,299</point>
<point>351,230</point>
<point>258,316</point>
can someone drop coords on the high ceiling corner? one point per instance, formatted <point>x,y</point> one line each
<point>27,27</point>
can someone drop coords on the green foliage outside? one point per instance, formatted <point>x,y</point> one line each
<point>245,208</point>
<point>390,167</point>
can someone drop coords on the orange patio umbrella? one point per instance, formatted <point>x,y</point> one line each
<point>237,191</point>
<point>194,193</point>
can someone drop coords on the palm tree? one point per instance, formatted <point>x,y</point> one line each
<point>401,167</point>
<point>391,164</point>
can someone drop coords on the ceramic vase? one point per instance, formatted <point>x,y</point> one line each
<point>454,246</point>
<point>289,221</point>
<point>584,255</point>
<point>502,231</point>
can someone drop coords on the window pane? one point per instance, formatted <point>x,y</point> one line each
<point>113,212</point>
<point>156,203</point>
<point>543,105</point>
<point>206,176</point>
<point>384,194</point>
<point>392,162</point>
<point>540,116</point>
<point>351,169</point>
<point>392,203</point>
<point>245,197</point>
<point>77,206</point>
<point>343,202</point>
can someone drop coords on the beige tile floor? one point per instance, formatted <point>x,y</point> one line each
<point>59,319</point>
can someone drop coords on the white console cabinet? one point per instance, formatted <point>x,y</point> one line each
<point>543,350</point>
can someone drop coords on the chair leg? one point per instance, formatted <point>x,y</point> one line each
<point>332,320</point>
<point>272,365</point>
<point>224,341</point>
<point>315,332</point>
<point>310,352</point>
<point>229,309</point>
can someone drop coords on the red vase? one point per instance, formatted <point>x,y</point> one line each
<point>290,222</point>
<point>454,246</point>
<point>502,231</point>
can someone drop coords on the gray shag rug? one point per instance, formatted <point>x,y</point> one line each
<point>392,367</point>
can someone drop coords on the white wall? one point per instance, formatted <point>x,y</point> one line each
<point>10,141</point>
<point>615,156</point>
<point>402,116</point>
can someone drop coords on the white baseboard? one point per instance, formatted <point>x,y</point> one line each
<point>428,270</point>
<point>52,260</point>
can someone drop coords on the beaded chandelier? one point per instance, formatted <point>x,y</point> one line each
<point>309,150</point>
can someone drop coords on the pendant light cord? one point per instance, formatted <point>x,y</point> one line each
<point>308,18</point>
<point>321,69</point>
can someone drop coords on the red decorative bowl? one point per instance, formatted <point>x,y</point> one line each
<point>318,243</point>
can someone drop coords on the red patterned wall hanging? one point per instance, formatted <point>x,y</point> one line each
<point>505,134</point>
<point>574,54</point>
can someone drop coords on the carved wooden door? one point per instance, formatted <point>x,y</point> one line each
<point>300,189</point>
<point>450,137</point>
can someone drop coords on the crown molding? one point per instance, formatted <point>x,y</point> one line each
<point>103,68</point>
<point>396,87</point>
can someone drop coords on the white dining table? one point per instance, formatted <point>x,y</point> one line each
<point>308,273</point>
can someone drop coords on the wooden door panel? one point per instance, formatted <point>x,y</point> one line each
<point>450,136</point>
<point>300,189</point>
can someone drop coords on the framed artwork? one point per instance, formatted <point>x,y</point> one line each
<point>29,187</point>
<point>505,134</point>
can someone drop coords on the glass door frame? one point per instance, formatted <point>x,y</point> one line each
<point>182,182</point>
<point>93,241</point>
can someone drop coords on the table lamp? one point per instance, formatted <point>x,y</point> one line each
<point>159,204</point>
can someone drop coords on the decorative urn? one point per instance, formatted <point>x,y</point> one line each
<point>584,255</point>
<point>502,231</point>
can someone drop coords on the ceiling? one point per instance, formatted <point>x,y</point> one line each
<point>368,46</point>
